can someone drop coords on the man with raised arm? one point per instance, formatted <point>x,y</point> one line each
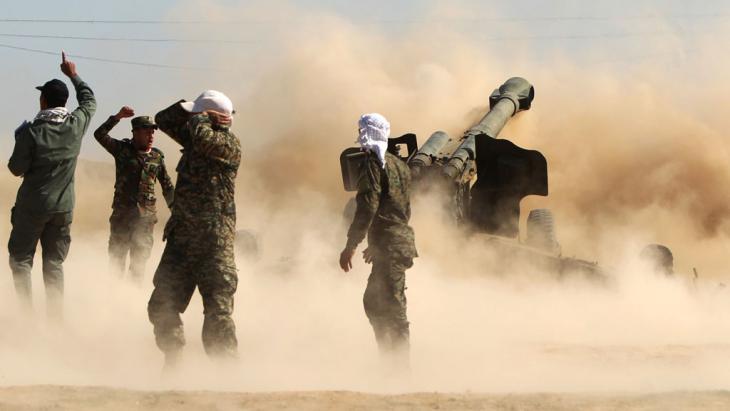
<point>45,156</point>
<point>201,230</point>
<point>134,211</point>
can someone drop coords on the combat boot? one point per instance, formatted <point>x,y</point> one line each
<point>173,359</point>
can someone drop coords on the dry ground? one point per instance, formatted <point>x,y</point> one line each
<point>97,398</point>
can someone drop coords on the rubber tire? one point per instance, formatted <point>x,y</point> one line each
<point>541,230</point>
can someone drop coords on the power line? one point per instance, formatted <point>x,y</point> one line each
<point>167,66</point>
<point>490,38</point>
<point>476,20</point>
<point>644,57</point>
<point>123,39</point>
<point>591,36</point>
<point>173,40</point>
<point>66,21</point>
<point>377,20</point>
<point>105,60</point>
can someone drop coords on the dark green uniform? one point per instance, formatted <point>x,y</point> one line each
<point>45,156</point>
<point>134,211</point>
<point>383,211</point>
<point>199,235</point>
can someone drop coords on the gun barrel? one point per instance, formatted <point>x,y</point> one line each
<point>494,121</point>
<point>515,95</point>
<point>429,150</point>
<point>461,156</point>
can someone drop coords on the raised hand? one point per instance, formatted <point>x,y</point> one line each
<point>124,112</point>
<point>221,119</point>
<point>68,67</point>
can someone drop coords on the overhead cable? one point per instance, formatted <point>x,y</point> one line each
<point>122,39</point>
<point>425,20</point>
<point>105,60</point>
<point>490,38</point>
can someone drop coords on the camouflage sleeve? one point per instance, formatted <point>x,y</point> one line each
<point>21,158</point>
<point>367,200</point>
<point>168,189</point>
<point>102,136</point>
<point>173,122</point>
<point>214,144</point>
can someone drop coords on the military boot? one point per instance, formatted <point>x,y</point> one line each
<point>173,359</point>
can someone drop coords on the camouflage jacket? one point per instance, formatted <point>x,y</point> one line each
<point>206,174</point>
<point>136,173</point>
<point>383,208</point>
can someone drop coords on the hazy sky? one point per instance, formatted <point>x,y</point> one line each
<point>614,33</point>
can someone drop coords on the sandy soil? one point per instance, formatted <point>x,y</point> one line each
<point>97,398</point>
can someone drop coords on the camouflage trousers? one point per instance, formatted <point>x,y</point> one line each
<point>130,234</point>
<point>54,233</point>
<point>385,303</point>
<point>188,263</point>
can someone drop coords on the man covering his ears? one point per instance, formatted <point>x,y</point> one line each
<point>201,230</point>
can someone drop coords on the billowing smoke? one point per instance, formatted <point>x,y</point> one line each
<point>633,152</point>
<point>635,156</point>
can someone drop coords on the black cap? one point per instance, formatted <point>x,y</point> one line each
<point>55,90</point>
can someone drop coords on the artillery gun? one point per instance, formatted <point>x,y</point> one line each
<point>483,179</point>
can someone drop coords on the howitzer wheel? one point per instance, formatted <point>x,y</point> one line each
<point>541,230</point>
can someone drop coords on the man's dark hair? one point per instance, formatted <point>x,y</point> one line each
<point>55,93</point>
<point>55,101</point>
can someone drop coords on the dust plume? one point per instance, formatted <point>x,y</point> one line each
<point>637,151</point>
<point>634,156</point>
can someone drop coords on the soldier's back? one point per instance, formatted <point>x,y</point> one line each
<point>390,230</point>
<point>205,189</point>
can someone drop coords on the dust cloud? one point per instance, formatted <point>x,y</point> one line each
<point>634,156</point>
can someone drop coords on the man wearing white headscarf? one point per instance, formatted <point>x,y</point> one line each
<point>383,211</point>
<point>373,133</point>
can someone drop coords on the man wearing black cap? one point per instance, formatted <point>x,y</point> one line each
<point>45,155</point>
<point>134,214</point>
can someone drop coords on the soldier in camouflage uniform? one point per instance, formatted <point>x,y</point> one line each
<point>201,230</point>
<point>134,214</point>
<point>383,211</point>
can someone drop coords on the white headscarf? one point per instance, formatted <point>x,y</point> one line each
<point>374,131</point>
